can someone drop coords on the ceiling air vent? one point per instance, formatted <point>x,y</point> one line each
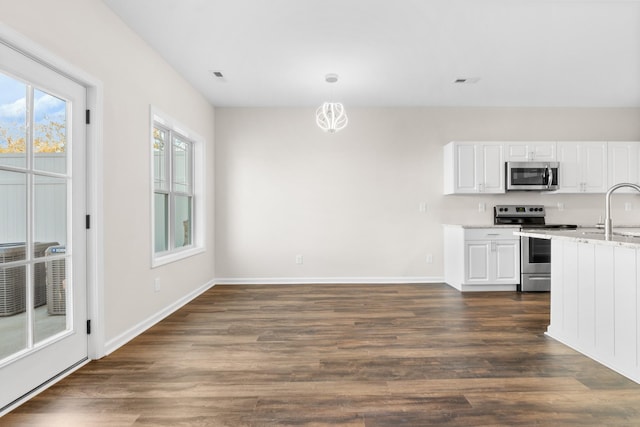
<point>466,80</point>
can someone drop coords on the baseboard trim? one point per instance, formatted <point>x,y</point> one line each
<point>325,280</point>
<point>128,335</point>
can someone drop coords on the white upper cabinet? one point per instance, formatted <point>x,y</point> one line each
<point>473,167</point>
<point>623,163</point>
<point>583,167</point>
<point>543,151</point>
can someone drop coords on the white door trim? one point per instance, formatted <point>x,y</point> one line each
<point>94,171</point>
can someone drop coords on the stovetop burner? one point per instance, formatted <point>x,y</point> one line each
<point>526,216</point>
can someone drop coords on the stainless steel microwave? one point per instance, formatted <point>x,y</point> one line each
<point>532,176</point>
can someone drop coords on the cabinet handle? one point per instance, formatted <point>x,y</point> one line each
<point>493,234</point>
<point>481,188</point>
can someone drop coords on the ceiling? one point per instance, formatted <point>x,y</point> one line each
<point>547,53</point>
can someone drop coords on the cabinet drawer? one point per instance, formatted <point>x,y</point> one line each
<point>490,233</point>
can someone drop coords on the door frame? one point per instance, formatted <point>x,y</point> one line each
<point>94,176</point>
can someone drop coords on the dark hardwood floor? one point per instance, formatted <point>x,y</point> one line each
<point>343,355</point>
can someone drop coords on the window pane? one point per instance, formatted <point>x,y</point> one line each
<point>50,297</point>
<point>182,224</point>
<point>50,213</point>
<point>161,209</point>
<point>13,214</point>
<point>50,132</point>
<point>160,159</point>
<point>13,120</point>
<point>13,319</point>
<point>181,166</point>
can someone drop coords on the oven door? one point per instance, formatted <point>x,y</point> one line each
<point>535,255</point>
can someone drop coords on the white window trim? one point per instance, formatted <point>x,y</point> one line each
<point>199,223</point>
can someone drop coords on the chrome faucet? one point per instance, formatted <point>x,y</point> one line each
<point>608,226</point>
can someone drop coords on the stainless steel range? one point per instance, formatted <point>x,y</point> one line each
<point>535,254</point>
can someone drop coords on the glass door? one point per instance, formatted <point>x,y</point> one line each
<point>42,236</point>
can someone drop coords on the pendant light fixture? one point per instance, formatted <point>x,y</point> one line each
<point>331,116</point>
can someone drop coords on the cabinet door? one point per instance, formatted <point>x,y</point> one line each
<point>530,151</point>
<point>473,167</point>
<point>466,170</point>
<point>491,166</point>
<point>516,152</point>
<point>570,179</point>
<point>507,261</point>
<point>594,167</point>
<point>543,151</point>
<point>477,255</point>
<point>622,160</point>
<point>583,167</point>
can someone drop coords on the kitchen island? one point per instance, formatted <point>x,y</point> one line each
<point>595,295</point>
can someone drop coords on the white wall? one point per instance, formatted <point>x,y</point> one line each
<point>348,202</point>
<point>88,35</point>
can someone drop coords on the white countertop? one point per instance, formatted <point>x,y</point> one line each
<point>623,236</point>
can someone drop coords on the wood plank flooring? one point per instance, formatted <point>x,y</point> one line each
<point>343,355</point>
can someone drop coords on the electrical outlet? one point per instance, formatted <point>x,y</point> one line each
<point>299,259</point>
<point>156,284</point>
<point>560,206</point>
<point>482,207</point>
<point>422,208</point>
<point>429,258</point>
<point>628,206</point>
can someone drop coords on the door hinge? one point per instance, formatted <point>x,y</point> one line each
<point>88,327</point>
<point>87,221</point>
<point>88,117</point>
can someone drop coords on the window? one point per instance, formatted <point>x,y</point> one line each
<point>177,196</point>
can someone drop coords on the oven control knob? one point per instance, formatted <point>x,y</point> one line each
<point>530,209</point>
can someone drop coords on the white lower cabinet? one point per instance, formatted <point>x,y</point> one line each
<point>481,259</point>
